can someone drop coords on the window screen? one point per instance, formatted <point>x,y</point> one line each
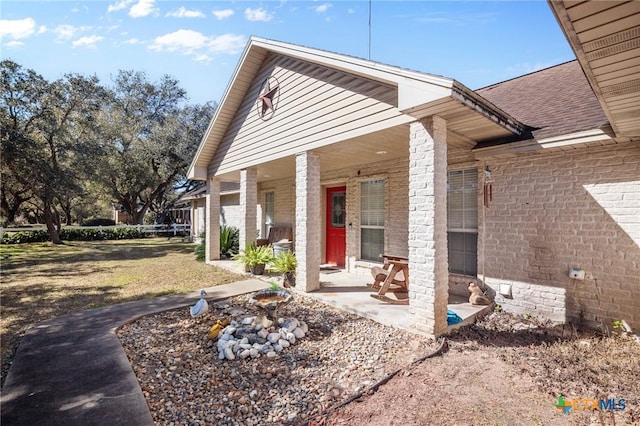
<point>269,212</point>
<point>462,221</point>
<point>371,220</point>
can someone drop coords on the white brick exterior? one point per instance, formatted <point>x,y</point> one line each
<point>428,268</point>
<point>212,242</point>
<point>552,211</point>
<point>248,207</point>
<point>307,223</point>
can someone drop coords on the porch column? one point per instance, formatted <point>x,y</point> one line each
<point>308,221</point>
<point>248,206</point>
<point>428,262</point>
<point>212,217</point>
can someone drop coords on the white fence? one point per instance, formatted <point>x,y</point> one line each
<point>173,229</point>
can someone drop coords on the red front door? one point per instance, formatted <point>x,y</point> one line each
<point>335,219</point>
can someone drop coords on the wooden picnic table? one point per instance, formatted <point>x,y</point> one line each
<point>401,286</point>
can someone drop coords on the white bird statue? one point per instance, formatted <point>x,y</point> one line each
<point>201,306</point>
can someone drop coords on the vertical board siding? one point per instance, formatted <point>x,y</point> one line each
<point>314,104</point>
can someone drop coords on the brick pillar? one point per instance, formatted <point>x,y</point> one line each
<point>248,206</point>
<point>212,209</point>
<point>308,221</point>
<point>428,263</point>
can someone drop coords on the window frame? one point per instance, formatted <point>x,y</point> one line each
<point>269,207</point>
<point>381,210</point>
<point>464,229</point>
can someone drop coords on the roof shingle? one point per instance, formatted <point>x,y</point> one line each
<point>554,101</point>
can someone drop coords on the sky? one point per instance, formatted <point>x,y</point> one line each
<point>200,43</point>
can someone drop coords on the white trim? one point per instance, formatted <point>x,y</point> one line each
<point>571,139</point>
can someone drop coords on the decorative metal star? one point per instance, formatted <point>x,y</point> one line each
<point>267,99</point>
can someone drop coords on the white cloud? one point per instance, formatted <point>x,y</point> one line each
<point>222,14</point>
<point>351,11</point>
<point>227,43</point>
<point>322,8</point>
<point>88,41</point>
<point>17,28</point>
<point>187,40</point>
<point>198,45</point>
<point>14,43</point>
<point>133,41</point>
<point>258,14</point>
<point>184,13</point>
<point>119,5</point>
<point>203,58</point>
<point>142,8</point>
<point>64,32</point>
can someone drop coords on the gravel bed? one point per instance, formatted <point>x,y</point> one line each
<point>184,382</point>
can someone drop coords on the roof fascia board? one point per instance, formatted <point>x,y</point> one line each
<point>477,103</point>
<point>192,173</point>
<point>566,24</point>
<point>561,141</point>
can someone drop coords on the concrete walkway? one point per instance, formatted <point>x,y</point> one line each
<point>72,370</point>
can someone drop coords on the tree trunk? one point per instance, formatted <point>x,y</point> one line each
<point>48,220</point>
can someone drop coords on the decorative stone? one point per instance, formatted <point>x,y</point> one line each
<point>298,333</point>
<point>253,394</point>
<point>291,338</point>
<point>228,353</point>
<point>229,330</point>
<point>290,324</point>
<point>277,347</point>
<point>304,327</point>
<point>273,337</point>
<point>271,354</point>
<point>254,353</point>
<point>284,343</point>
<point>248,320</point>
<point>245,354</point>
<point>263,333</point>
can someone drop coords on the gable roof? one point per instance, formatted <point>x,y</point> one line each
<point>554,101</point>
<point>418,95</point>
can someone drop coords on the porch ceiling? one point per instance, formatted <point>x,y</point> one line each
<point>605,36</point>
<point>387,145</point>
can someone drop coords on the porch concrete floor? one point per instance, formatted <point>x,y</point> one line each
<point>349,292</point>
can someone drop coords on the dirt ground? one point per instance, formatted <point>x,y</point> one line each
<point>507,370</point>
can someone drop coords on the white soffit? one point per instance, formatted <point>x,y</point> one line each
<point>605,36</point>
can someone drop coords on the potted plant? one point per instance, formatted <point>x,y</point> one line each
<point>255,258</point>
<point>285,263</point>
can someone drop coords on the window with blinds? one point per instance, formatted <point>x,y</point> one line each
<point>372,220</point>
<point>269,212</point>
<point>462,221</point>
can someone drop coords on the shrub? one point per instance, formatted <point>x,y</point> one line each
<point>98,221</point>
<point>201,248</point>
<point>37,236</point>
<point>40,236</point>
<point>229,240</point>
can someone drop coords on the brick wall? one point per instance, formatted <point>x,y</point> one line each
<point>552,211</point>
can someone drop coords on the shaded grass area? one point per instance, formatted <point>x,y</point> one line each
<point>41,281</point>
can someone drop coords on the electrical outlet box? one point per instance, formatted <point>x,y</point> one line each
<point>576,274</point>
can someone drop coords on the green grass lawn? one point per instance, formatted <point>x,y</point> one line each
<point>41,281</point>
